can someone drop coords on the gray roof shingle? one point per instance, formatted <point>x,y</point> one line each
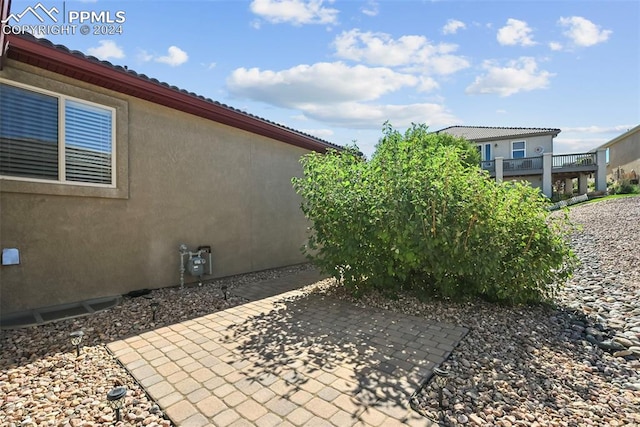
<point>488,133</point>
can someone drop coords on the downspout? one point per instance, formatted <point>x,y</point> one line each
<point>4,17</point>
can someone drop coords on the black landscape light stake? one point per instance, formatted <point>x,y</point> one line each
<point>441,377</point>
<point>76,339</point>
<point>116,399</point>
<point>154,309</point>
<point>224,291</point>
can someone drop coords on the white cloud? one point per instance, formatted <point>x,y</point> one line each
<point>175,56</point>
<point>516,32</point>
<point>39,32</point>
<point>446,64</point>
<point>339,94</point>
<point>320,83</point>
<point>599,129</point>
<point>580,139</point>
<point>519,75</point>
<point>144,56</point>
<point>427,84</point>
<point>583,32</point>
<point>108,49</point>
<point>452,26</point>
<point>211,66</point>
<point>576,145</point>
<point>296,12</point>
<point>320,133</point>
<point>382,49</point>
<point>368,116</point>
<point>371,8</point>
<point>555,46</point>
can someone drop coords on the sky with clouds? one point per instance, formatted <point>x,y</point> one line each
<point>339,69</point>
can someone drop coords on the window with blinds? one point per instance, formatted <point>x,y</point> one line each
<point>49,137</point>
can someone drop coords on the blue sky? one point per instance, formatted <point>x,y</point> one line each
<point>339,69</point>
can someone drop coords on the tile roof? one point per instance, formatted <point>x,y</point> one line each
<point>44,54</point>
<point>486,133</point>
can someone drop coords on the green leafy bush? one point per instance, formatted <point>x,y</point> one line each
<point>421,216</point>
<point>624,187</point>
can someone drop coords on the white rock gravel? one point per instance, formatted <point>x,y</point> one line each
<point>518,366</point>
<point>43,383</point>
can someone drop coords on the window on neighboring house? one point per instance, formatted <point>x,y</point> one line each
<point>46,136</point>
<point>518,149</point>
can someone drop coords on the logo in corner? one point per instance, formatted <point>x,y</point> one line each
<point>39,11</point>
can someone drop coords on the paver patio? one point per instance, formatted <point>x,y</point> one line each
<point>289,360</point>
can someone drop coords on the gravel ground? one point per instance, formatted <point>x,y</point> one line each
<point>574,365</point>
<point>43,383</point>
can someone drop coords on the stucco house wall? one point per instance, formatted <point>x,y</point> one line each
<point>534,180</point>
<point>180,179</point>
<point>502,147</point>
<point>624,154</point>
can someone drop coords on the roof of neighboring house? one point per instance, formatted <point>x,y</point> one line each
<point>488,133</point>
<point>619,137</point>
<point>59,59</point>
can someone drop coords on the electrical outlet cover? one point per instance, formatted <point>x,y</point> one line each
<point>10,256</point>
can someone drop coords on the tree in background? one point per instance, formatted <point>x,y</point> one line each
<point>421,216</point>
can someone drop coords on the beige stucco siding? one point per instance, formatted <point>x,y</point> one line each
<point>534,180</point>
<point>502,148</point>
<point>624,154</point>
<point>188,180</point>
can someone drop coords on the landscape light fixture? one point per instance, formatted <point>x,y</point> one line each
<point>115,398</point>
<point>441,377</point>
<point>76,339</point>
<point>224,289</point>
<point>154,309</point>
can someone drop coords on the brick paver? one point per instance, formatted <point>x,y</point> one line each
<point>289,359</point>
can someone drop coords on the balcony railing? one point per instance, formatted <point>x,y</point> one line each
<point>548,168</point>
<point>489,165</point>
<point>529,165</point>
<point>514,166</point>
<point>574,160</point>
<point>524,164</point>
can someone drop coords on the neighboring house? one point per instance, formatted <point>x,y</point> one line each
<point>526,154</point>
<point>623,156</point>
<point>104,173</point>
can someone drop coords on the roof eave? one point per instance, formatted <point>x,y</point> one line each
<point>513,137</point>
<point>118,79</point>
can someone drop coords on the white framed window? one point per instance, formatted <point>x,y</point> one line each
<point>50,137</point>
<point>518,149</point>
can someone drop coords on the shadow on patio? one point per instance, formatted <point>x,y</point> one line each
<point>336,350</point>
